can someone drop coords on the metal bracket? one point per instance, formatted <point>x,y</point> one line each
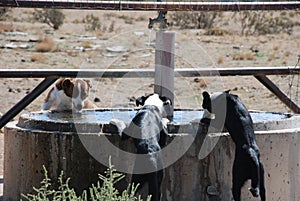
<point>161,20</point>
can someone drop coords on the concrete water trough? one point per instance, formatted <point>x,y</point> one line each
<point>198,165</point>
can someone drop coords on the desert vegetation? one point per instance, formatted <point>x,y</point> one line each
<point>104,190</point>
<point>251,23</point>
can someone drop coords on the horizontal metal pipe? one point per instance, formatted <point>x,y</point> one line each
<point>131,73</point>
<point>151,6</point>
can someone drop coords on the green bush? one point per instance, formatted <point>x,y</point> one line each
<point>104,190</point>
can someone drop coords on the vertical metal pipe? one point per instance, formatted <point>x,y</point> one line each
<point>15,110</point>
<point>164,66</point>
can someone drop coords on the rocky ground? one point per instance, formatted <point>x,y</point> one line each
<point>123,41</point>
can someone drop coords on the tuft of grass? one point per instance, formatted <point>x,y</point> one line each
<point>104,190</point>
<point>216,32</point>
<point>6,27</point>
<point>38,57</point>
<point>287,54</point>
<point>46,45</point>
<point>245,56</point>
<point>276,48</point>
<point>220,60</point>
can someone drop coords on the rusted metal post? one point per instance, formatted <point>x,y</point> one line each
<point>164,66</point>
<point>14,111</point>
<point>275,90</point>
<point>153,6</point>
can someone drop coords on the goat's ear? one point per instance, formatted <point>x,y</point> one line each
<point>205,95</point>
<point>67,83</point>
<point>166,100</point>
<point>227,91</point>
<point>89,83</point>
<point>140,101</point>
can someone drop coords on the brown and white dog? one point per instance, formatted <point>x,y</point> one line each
<point>68,94</point>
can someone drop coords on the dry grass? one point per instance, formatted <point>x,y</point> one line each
<point>245,56</point>
<point>38,57</point>
<point>287,54</point>
<point>216,32</point>
<point>276,48</point>
<point>86,44</point>
<point>46,45</point>
<point>220,60</point>
<point>73,53</point>
<point>273,56</point>
<point>6,28</point>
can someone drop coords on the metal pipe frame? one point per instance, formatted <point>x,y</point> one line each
<point>16,109</point>
<point>152,6</point>
<point>131,73</point>
<point>51,75</point>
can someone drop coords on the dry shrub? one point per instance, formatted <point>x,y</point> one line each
<point>4,13</point>
<point>46,45</point>
<point>220,60</point>
<point>194,20</point>
<point>245,56</point>
<point>86,44</point>
<point>273,57</point>
<point>287,54</point>
<point>6,28</point>
<point>53,17</point>
<point>216,32</point>
<point>249,56</point>
<point>276,48</point>
<point>39,57</point>
<point>73,53</point>
<point>262,23</point>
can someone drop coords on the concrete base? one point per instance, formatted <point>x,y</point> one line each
<point>27,151</point>
<point>193,179</point>
<point>190,178</point>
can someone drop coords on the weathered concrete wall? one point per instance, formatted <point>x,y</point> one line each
<point>187,179</point>
<point>26,151</point>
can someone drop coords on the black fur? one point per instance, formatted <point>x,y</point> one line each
<point>149,135</point>
<point>238,122</point>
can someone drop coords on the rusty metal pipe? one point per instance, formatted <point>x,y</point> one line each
<point>15,110</point>
<point>152,6</point>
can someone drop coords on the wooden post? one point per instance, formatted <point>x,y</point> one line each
<point>164,66</point>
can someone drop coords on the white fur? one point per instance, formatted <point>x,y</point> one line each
<point>58,100</point>
<point>156,101</point>
<point>208,115</point>
<point>77,101</point>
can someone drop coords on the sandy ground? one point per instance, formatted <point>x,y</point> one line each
<point>74,47</point>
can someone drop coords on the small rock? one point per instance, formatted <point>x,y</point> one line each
<point>117,49</point>
<point>139,33</point>
<point>15,33</point>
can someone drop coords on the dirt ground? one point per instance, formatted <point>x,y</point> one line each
<point>125,42</point>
